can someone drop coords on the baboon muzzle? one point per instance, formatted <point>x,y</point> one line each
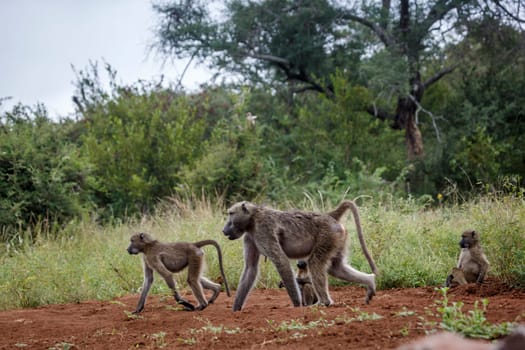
<point>131,251</point>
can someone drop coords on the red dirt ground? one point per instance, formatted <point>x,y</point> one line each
<point>107,325</point>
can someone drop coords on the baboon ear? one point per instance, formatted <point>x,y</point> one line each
<point>244,209</point>
<point>142,236</point>
<point>474,234</point>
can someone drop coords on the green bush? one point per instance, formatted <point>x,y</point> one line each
<point>44,180</point>
<point>138,138</point>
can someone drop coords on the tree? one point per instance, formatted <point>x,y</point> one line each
<point>138,138</point>
<point>44,180</point>
<point>302,42</point>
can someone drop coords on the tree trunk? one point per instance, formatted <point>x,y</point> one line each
<point>406,120</point>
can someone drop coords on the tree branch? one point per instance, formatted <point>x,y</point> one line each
<point>439,75</point>
<point>438,12</point>
<point>508,13</point>
<point>382,34</point>
<point>419,109</point>
<point>385,13</point>
<point>269,58</point>
<point>379,113</point>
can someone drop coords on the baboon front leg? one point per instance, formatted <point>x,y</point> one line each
<point>282,264</point>
<point>146,285</point>
<point>340,269</point>
<point>484,266</point>
<point>249,274</point>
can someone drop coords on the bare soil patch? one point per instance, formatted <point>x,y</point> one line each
<point>268,321</point>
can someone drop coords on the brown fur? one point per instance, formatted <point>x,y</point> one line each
<point>302,277</point>
<point>319,238</point>
<point>472,261</point>
<point>456,278</point>
<point>168,258</point>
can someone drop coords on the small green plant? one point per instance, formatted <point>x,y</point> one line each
<point>210,328</point>
<point>187,341</point>
<point>297,335</point>
<point>473,324</point>
<point>62,346</point>
<point>405,313</point>
<point>159,339</point>
<point>365,316</point>
<point>361,316</point>
<point>174,308</point>
<point>405,332</point>
<point>130,315</point>
<point>294,325</point>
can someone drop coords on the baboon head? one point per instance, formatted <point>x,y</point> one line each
<point>239,219</point>
<point>469,238</point>
<point>138,242</point>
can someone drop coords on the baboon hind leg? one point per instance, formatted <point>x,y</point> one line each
<point>168,277</point>
<point>194,280</point>
<point>340,269</point>
<point>214,287</point>
<point>317,267</point>
<point>180,300</point>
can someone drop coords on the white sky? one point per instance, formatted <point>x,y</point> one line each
<point>41,39</point>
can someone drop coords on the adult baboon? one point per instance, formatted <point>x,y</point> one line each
<point>472,261</point>
<point>168,258</point>
<point>319,238</point>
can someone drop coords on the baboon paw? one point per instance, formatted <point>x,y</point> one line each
<point>213,297</point>
<point>324,303</point>
<point>200,307</point>
<point>187,306</point>
<point>369,295</point>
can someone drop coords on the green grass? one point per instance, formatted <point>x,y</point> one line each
<point>412,245</point>
<point>472,324</point>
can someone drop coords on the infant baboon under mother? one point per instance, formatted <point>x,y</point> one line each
<point>318,238</point>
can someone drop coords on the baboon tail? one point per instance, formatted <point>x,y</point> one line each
<point>338,212</point>
<point>219,254</point>
<point>341,209</point>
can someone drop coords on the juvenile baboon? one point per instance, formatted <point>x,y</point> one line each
<point>168,258</point>
<point>456,278</point>
<point>302,277</point>
<point>472,261</point>
<point>319,238</point>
